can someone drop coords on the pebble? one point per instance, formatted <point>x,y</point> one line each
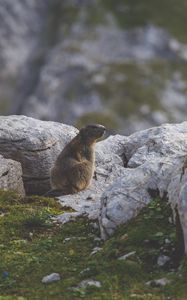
<point>89,282</point>
<point>51,278</point>
<point>95,250</point>
<point>158,282</point>
<point>124,257</point>
<point>85,271</point>
<point>138,296</point>
<point>162,260</point>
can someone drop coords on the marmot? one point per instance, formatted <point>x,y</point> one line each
<point>74,167</point>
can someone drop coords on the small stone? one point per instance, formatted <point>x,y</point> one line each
<point>167,241</point>
<point>85,271</point>
<point>66,240</point>
<point>89,282</point>
<point>146,241</point>
<point>51,278</point>
<point>124,237</point>
<point>80,238</point>
<point>162,260</point>
<point>95,250</point>
<point>97,239</point>
<point>138,296</point>
<point>124,257</point>
<point>158,282</point>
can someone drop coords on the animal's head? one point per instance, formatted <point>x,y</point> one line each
<point>92,132</point>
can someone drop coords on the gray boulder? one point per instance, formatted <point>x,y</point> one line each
<point>155,165</point>
<point>35,144</point>
<point>11,175</point>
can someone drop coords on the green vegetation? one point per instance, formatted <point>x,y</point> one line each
<point>129,86</point>
<point>169,14</point>
<point>31,246</point>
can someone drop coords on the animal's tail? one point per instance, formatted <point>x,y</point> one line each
<point>54,193</point>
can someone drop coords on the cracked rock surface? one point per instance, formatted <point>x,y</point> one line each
<point>156,165</point>
<point>11,175</point>
<point>35,144</point>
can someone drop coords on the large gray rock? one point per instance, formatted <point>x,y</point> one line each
<point>11,175</point>
<point>155,165</point>
<point>35,144</point>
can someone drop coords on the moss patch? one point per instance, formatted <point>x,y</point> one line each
<point>31,246</point>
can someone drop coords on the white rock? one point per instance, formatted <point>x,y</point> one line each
<point>95,250</point>
<point>89,282</point>
<point>51,278</point>
<point>167,241</point>
<point>162,260</point>
<point>140,296</point>
<point>158,282</point>
<point>85,271</point>
<point>124,257</point>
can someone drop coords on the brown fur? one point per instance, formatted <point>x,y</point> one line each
<point>74,167</point>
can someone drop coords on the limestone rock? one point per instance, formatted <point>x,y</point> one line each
<point>11,175</point>
<point>35,144</point>
<point>155,165</point>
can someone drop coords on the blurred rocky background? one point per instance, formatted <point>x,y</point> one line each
<point>122,63</point>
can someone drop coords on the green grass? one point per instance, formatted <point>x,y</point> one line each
<point>31,246</point>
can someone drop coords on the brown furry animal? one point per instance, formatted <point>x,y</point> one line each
<point>74,167</point>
